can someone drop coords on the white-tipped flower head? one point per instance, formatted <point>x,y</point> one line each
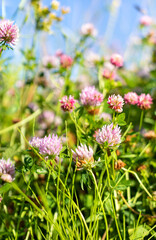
<point>48,146</point>
<point>7,170</point>
<point>83,157</point>
<point>145,101</point>
<point>116,102</point>
<point>9,33</point>
<point>88,29</point>
<point>91,97</point>
<point>131,98</point>
<point>109,136</point>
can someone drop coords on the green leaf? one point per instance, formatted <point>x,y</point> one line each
<point>5,188</point>
<point>128,156</point>
<point>40,170</point>
<point>138,233</point>
<point>121,119</point>
<point>10,152</point>
<point>83,180</point>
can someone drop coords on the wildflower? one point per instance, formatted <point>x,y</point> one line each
<point>108,74</point>
<point>106,116</point>
<point>141,167</point>
<point>144,101</point>
<point>92,58</point>
<point>150,134</point>
<point>131,98</point>
<point>55,4</point>
<point>50,61</point>
<point>67,104</point>
<point>116,102</point>
<point>119,164</point>
<point>48,146</point>
<point>109,135</point>
<point>65,10</point>
<point>7,170</point>
<point>83,157</point>
<point>35,142</point>
<point>59,53</point>
<point>66,61</point>
<point>91,97</point>
<point>9,32</point>
<point>116,60</point>
<point>145,20</point>
<point>88,29</point>
<point>46,119</point>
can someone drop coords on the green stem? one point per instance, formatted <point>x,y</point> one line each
<point>104,214</point>
<point>141,119</point>
<point>139,181</point>
<point>48,180</point>
<point>76,125</point>
<point>128,188</point>
<point>116,221</point>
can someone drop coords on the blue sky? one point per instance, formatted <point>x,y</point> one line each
<point>115,25</point>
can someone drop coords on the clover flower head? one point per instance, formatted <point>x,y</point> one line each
<point>35,142</point>
<point>91,97</point>
<point>108,74</point>
<point>109,136</point>
<point>83,157</point>
<point>66,61</point>
<point>116,102</point>
<point>145,20</point>
<point>9,32</point>
<point>50,61</point>
<point>46,119</point>
<point>145,101</point>
<point>48,146</point>
<point>7,170</point>
<point>116,60</point>
<point>88,29</point>
<point>131,98</point>
<point>106,116</point>
<point>67,104</point>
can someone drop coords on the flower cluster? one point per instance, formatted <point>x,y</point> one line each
<point>109,135</point>
<point>116,102</point>
<point>131,98</point>
<point>50,61</point>
<point>116,60</point>
<point>83,157</point>
<point>55,4</point>
<point>108,74</point>
<point>9,32</point>
<point>144,101</point>
<point>88,29</point>
<point>67,104</point>
<point>48,146</point>
<point>145,20</point>
<point>66,61</point>
<point>91,97</point>
<point>7,170</point>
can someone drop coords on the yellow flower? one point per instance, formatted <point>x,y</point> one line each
<point>65,10</point>
<point>55,5</point>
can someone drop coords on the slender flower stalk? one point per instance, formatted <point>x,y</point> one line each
<point>101,203</point>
